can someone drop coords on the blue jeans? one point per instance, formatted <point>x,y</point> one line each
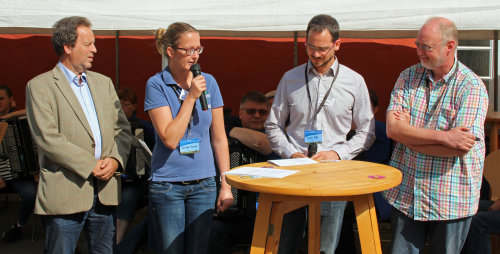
<point>332,213</point>
<point>62,231</point>
<point>408,235</point>
<point>26,187</point>
<point>483,224</point>
<point>181,215</point>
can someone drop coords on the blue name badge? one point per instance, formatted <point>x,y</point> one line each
<point>189,146</point>
<point>209,100</point>
<point>313,136</point>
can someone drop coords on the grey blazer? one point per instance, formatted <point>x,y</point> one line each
<point>66,145</point>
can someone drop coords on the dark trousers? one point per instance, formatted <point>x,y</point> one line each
<point>26,187</point>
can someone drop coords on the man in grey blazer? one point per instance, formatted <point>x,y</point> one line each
<point>83,136</point>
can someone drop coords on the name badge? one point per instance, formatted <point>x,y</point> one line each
<point>189,146</point>
<point>313,136</point>
<point>209,100</point>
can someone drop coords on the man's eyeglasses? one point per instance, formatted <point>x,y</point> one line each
<point>191,51</point>
<point>426,48</point>
<point>252,111</point>
<point>321,50</point>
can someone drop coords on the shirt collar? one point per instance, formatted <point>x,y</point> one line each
<point>72,77</point>
<point>448,77</point>
<point>169,80</point>
<point>331,70</point>
<point>167,77</point>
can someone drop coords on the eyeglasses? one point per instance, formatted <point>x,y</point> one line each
<point>191,51</point>
<point>321,50</point>
<point>426,48</point>
<point>252,111</point>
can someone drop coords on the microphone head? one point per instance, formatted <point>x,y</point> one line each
<point>196,70</point>
<point>312,148</point>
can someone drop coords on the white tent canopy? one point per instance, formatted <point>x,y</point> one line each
<point>254,18</point>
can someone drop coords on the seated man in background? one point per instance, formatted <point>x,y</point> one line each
<point>134,187</point>
<point>249,130</point>
<point>24,185</point>
<point>247,144</point>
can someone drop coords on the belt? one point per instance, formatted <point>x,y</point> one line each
<point>189,182</point>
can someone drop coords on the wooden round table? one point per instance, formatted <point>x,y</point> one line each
<point>343,180</point>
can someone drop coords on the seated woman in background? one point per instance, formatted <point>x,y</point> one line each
<point>24,185</point>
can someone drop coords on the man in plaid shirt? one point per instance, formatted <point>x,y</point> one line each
<point>436,115</point>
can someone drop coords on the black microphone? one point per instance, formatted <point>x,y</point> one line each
<point>312,148</point>
<point>196,70</point>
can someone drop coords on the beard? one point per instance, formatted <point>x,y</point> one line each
<point>324,62</point>
<point>433,64</point>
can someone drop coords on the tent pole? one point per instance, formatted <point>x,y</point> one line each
<point>117,59</point>
<point>295,55</point>
<point>495,70</point>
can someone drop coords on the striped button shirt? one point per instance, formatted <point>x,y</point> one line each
<point>439,188</point>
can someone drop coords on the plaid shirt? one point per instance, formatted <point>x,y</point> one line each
<point>439,188</point>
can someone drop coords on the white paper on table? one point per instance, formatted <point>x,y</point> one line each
<point>261,172</point>
<point>292,162</point>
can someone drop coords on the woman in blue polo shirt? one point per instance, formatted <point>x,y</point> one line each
<point>182,188</point>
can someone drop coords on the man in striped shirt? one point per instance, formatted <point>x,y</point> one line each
<point>436,115</point>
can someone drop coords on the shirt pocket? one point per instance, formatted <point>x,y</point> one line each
<point>446,118</point>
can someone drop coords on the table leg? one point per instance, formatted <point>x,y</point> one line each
<point>278,211</point>
<point>494,137</point>
<point>366,218</point>
<point>273,237</point>
<point>314,230</point>
<point>261,226</point>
